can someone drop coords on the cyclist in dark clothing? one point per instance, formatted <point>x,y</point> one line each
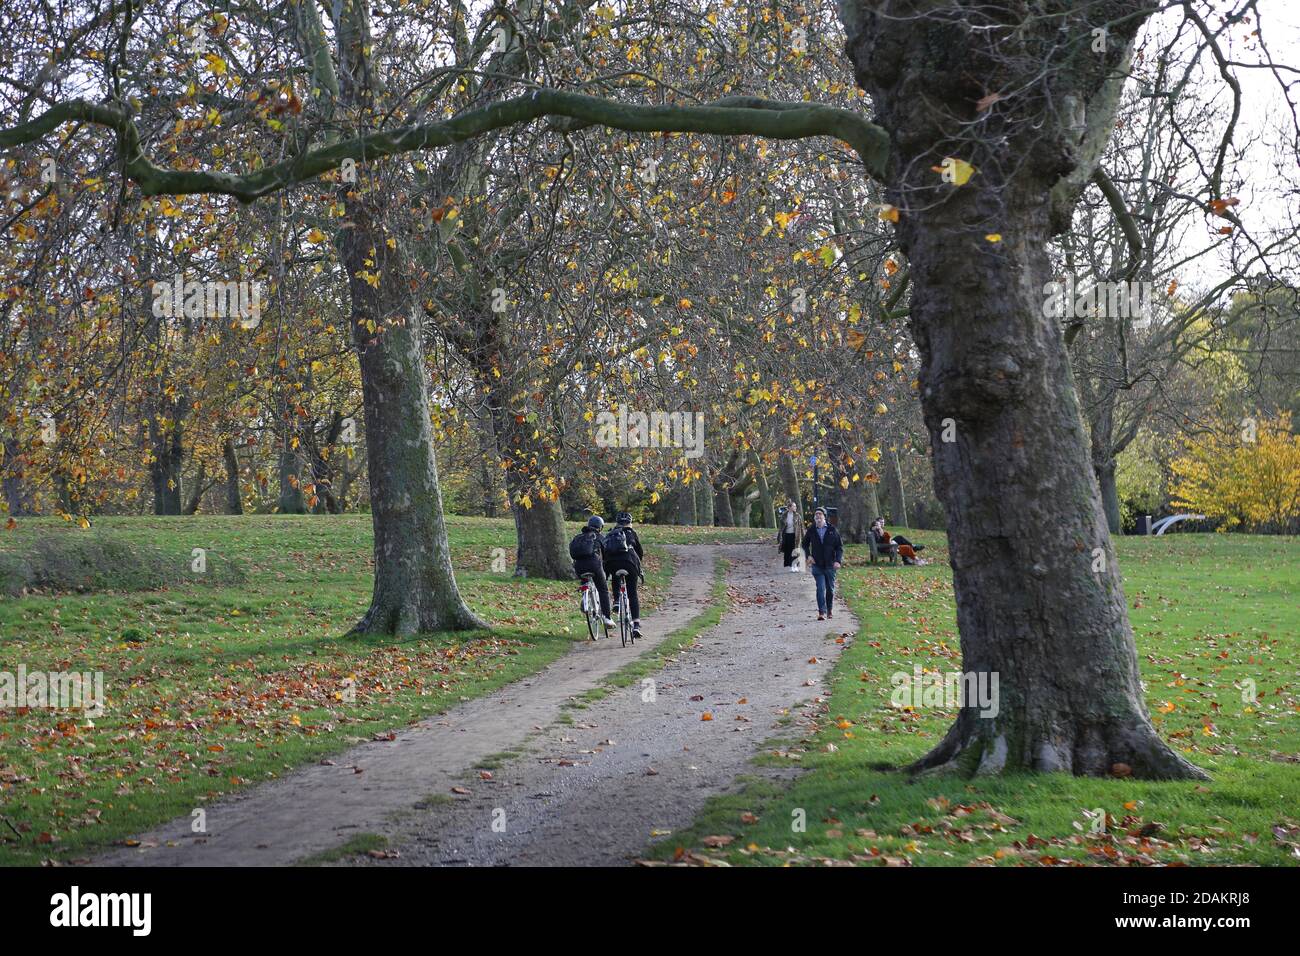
<point>587,552</point>
<point>623,552</point>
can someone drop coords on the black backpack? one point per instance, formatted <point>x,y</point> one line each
<point>616,543</point>
<point>583,546</point>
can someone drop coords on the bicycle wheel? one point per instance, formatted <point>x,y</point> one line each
<point>624,618</point>
<point>590,613</point>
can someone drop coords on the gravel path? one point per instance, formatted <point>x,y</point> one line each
<point>593,791</point>
<point>322,806</point>
<point>635,766</point>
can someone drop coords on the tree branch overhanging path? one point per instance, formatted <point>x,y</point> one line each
<point>992,363</point>
<point>732,116</point>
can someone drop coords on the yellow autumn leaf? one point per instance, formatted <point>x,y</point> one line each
<point>955,171</point>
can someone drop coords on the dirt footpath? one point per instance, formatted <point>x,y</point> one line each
<point>322,806</point>
<point>640,763</point>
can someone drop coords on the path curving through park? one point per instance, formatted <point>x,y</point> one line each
<point>589,785</point>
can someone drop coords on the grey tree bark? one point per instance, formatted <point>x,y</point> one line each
<point>789,479</point>
<point>165,469</point>
<point>234,500</point>
<point>685,496</point>
<point>703,499</point>
<point>1026,525</point>
<point>415,589</point>
<point>541,550</point>
<point>17,495</point>
<point>723,516</point>
<point>764,492</point>
<point>894,489</point>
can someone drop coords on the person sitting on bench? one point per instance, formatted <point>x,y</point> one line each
<point>894,544</point>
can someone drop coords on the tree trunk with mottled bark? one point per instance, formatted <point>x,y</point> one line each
<point>764,491</point>
<point>165,469</point>
<point>723,516</point>
<point>234,500</point>
<point>415,590</point>
<point>542,550</point>
<point>789,478</point>
<point>1040,601</point>
<point>685,497</point>
<point>17,496</point>
<point>703,500</point>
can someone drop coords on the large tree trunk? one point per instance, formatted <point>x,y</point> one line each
<point>789,479</point>
<point>196,493</point>
<point>234,500</point>
<point>685,496</point>
<point>17,496</point>
<point>764,492</point>
<point>703,500</point>
<point>542,550</point>
<point>723,516</point>
<point>894,489</point>
<point>1035,605</point>
<point>291,501</point>
<point>415,589</point>
<point>856,510</point>
<point>1103,461</point>
<point>165,469</point>
<point>489,455</point>
<point>1109,495</point>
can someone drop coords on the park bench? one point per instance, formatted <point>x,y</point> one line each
<point>882,552</point>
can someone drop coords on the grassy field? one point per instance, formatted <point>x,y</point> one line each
<point>1210,613</point>
<point>223,678</point>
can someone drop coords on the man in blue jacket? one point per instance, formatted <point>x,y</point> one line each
<point>825,551</point>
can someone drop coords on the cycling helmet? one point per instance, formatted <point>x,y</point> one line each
<point>595,523</point>
<point>623,518</point>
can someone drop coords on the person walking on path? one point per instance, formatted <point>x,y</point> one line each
<point>788,534</point>
<point>825,551</point>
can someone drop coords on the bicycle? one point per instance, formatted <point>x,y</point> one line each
<point>589,602</point>
<point>624,610</point>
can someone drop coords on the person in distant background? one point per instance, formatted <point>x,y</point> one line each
<point>788,531</point>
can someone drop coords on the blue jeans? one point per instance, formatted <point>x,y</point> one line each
<point>825,578</point>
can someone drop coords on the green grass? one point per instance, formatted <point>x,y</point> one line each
<point>215,683</point>
<point>1210,612</point>
<point>359,845</point>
